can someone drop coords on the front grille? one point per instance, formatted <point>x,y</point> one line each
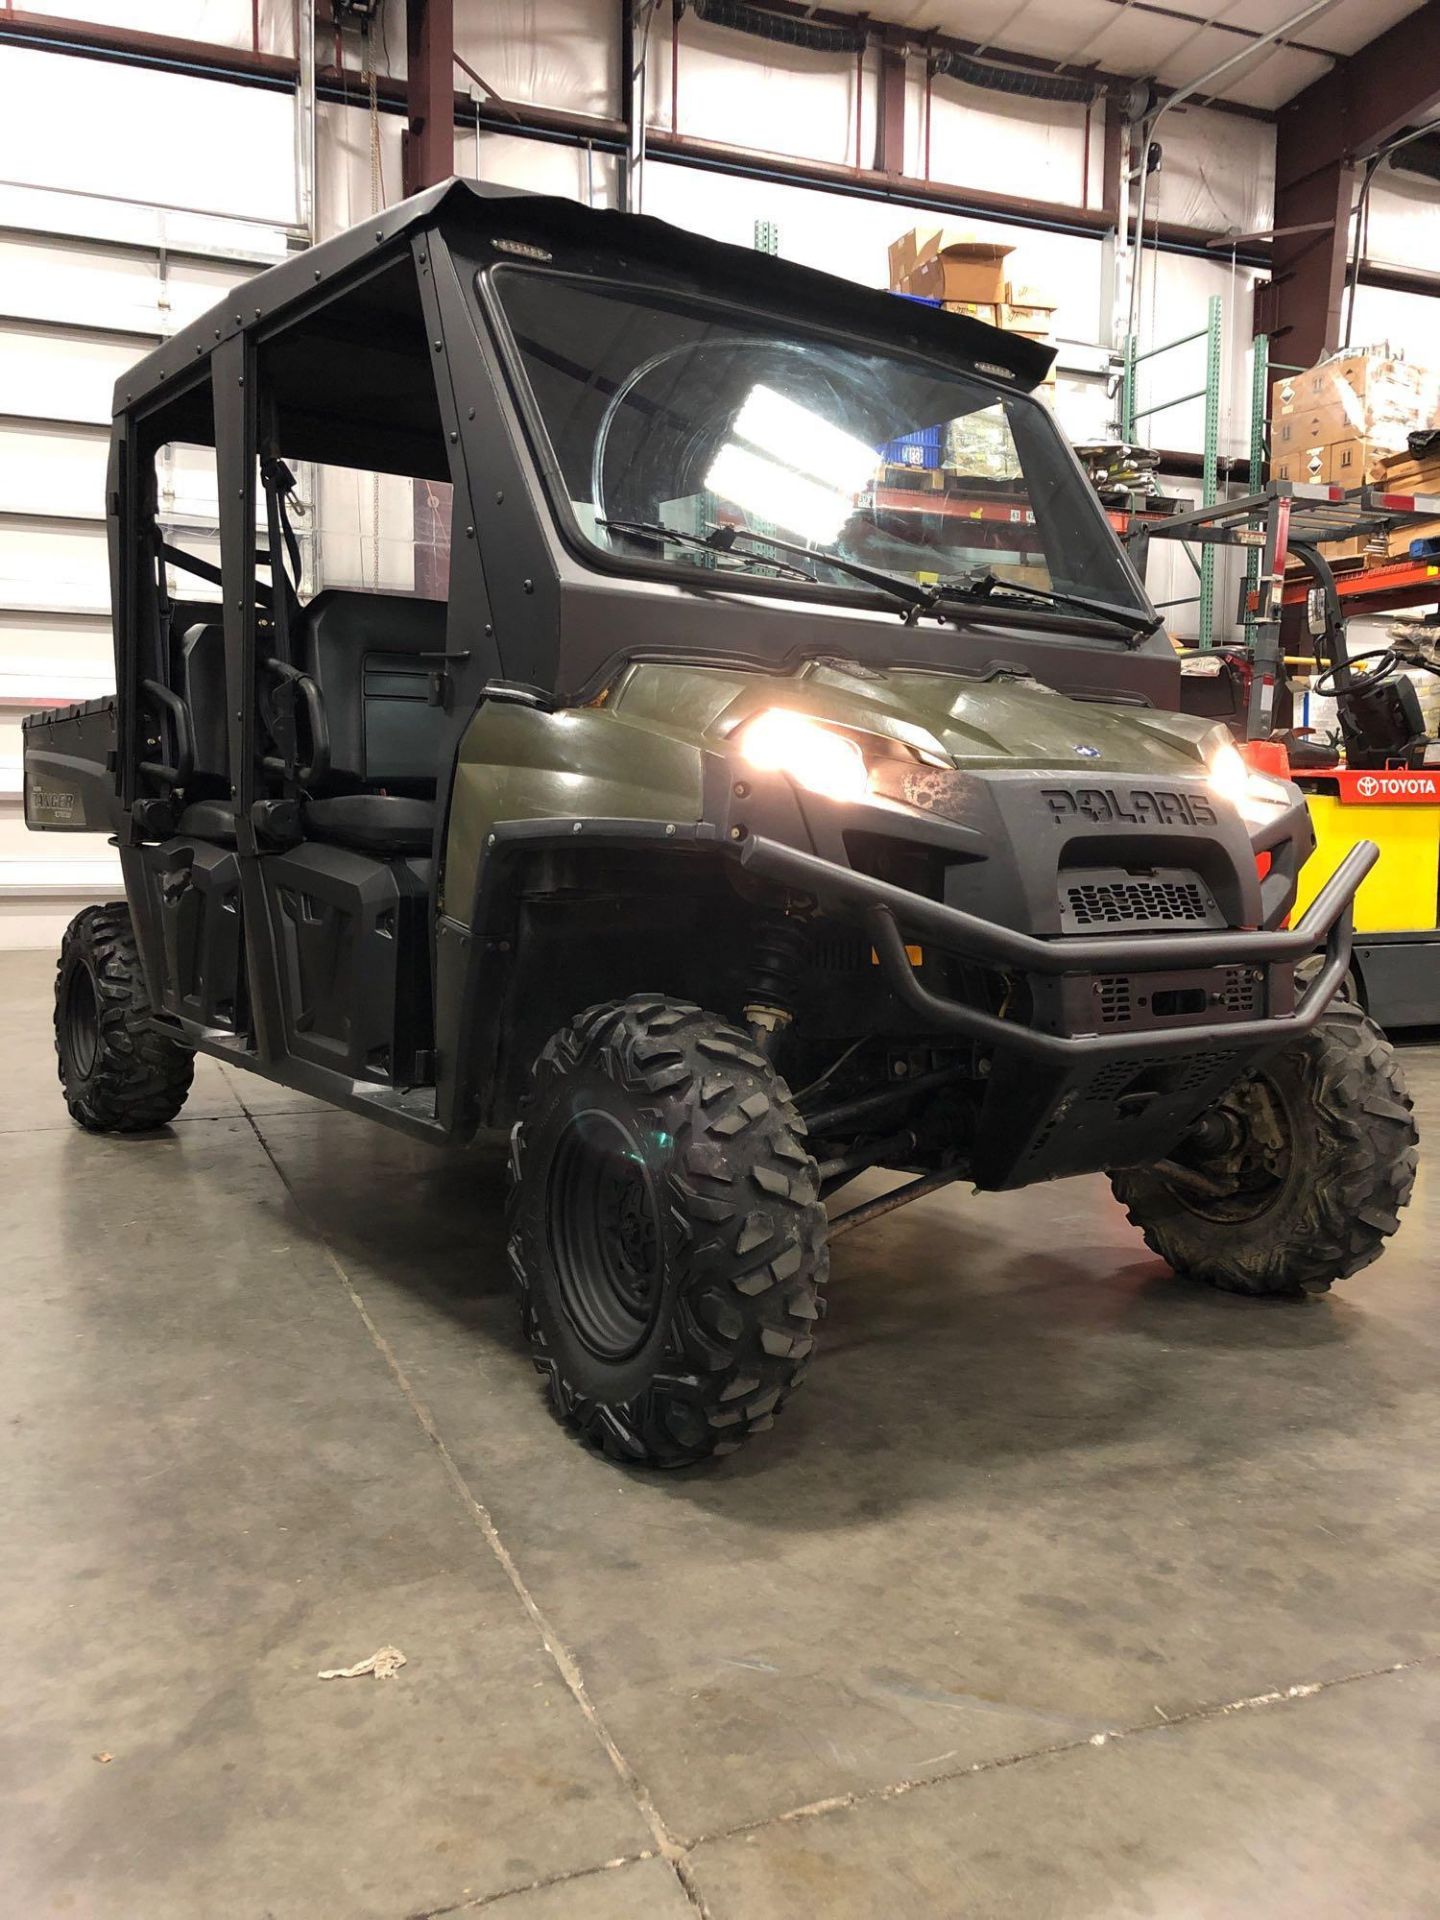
<point>1116,903</point>
<point>1114,899</point>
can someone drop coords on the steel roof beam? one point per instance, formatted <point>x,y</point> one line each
<point>429,146</point>
<point>1338,121</point>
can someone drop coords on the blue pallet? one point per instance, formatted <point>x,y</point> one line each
<point>920,299</point>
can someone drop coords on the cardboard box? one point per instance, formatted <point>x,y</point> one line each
<point>1317,426</point>
<point>949,263</point>
<point>1017,294</point>
<point>1371,396</point>
<point>1355,548</point>
<point>1402,474</point>
<point>1352,463</point>
<point>985,310</point>
<point>1028,318</point>
<point>1397,540</point>
<point>1305,466</point>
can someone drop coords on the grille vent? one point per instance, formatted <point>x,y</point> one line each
<point>838,952</point>
<point>1113,999</point>
<point>1130,903</point>
<point>1240,993</point>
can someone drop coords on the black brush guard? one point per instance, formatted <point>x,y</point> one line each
<point>1061,1103</point>
<point>890,913</point>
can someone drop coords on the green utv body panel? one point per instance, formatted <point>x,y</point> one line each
<point>639,755</point>
<point>583,763</point>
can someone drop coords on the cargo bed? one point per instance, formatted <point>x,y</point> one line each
<point>70,763</point>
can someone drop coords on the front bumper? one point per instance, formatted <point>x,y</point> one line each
<point>891,914</point>
<point>1079,1101</point>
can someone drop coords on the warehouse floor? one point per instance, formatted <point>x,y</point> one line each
<point>1063,1588</point>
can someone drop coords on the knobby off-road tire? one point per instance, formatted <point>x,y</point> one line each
<point>1335,1194</point>
<point>664,1232</point>
<point>118,1073</point>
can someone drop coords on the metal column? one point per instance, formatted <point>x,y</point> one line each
<point>1213,334</point>
<point>1210,472</point>
<point>430,56</point>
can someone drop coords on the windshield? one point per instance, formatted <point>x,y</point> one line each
<point>669,418</point>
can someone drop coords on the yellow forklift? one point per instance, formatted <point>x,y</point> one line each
<point>1384,785</point>
<point>1380,780</point>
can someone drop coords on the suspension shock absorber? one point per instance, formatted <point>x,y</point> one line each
<point>782,943</point>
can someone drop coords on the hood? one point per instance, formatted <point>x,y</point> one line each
<point>1010,723</point>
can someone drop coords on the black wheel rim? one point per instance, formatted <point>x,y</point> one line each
<point>80,1022</point>
<point>605,1235</point>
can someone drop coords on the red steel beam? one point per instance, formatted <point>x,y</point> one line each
<point>1340,119</point>
<point>429,147</point>
<point>1307,269</point>
<point>169,52</point>
<point>244,66</point>
<point>1362,102</point>
<point>890,108</point>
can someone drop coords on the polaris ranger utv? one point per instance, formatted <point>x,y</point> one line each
<point>744,807</point>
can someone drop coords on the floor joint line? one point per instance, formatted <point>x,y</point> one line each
<point>561,1878</point>
<point>897,1789</point>
<point>672,1850</point>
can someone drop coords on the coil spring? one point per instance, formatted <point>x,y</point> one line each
<point>782,944</point>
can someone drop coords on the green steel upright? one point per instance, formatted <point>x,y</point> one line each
<point>1210,470</point>
<point>1213,334</point>
<point>1259,392</point>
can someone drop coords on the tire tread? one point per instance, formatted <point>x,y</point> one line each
<point>750,1231</point>
<point>141,1076</point>
<point>1361,1178</point>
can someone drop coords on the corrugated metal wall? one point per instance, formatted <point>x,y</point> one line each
<point>129,202</point>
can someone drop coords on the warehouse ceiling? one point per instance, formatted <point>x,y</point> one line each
<point>1173,41</point>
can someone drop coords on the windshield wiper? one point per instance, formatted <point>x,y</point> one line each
<point>657,530</point>
<point>979,586</point>
<point>912,596</point>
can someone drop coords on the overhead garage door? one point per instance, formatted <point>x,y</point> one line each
<point>75,315</point>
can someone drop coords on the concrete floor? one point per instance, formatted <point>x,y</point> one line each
<point>1064,1589</point>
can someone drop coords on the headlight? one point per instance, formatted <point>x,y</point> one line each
<point>1256,796</point>
<point>822,760</point>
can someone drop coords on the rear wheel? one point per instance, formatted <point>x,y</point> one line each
<point>119,1074</point>
<point>665,1232</point>
<point>1296,1177</point>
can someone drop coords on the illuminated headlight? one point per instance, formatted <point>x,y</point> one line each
<point>1255,795</point>
<point>819,758</point>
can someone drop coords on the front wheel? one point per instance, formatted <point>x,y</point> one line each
<point>665,1232</point>
<point>1296,1177</point>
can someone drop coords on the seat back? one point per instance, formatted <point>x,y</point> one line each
<point>202,688</point>
<point>364,651</point>
<point>1381,725</point>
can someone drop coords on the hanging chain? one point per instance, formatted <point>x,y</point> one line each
<point>377,200</point>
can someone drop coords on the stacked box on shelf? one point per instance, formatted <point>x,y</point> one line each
<point>1335,423</point>
<point>1413,473</point>
<point>949,265</point>
<point>965,275</point>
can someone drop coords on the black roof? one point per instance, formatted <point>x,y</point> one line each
<point>485,210</point>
